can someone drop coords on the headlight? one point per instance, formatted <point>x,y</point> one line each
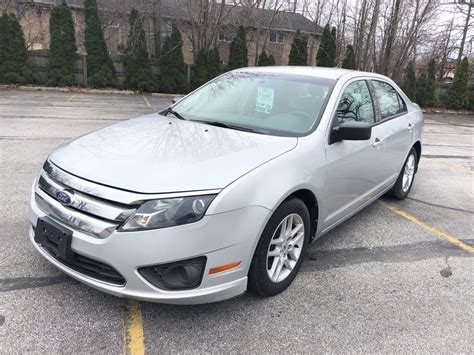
<point>168,212</point>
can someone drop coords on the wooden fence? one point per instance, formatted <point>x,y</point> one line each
<point>40,61</point>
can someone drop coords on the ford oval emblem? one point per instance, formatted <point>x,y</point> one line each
<point>64,197</point>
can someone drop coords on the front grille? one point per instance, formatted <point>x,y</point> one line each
<point>84,265</point>
<point>86,212</point>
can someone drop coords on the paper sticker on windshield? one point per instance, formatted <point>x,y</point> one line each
<point>265,97</point>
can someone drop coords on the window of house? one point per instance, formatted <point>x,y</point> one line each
<point>109,20</point>
<point>114,23</point>
<point>356,104</point>
<point>38,9</point>
<point>277,37</point>
<point>222,36</point>
<point>390,102</point>
<point>227,34</point>
<point>166,28</point>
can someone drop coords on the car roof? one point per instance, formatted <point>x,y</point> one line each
<point>318,72</point>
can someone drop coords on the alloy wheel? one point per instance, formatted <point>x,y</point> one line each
<point>408,173</point>
<point>285,247</point>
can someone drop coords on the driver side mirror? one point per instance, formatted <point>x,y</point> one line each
<point>352,131</point>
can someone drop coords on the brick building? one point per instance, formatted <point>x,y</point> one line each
<point>274,30</point>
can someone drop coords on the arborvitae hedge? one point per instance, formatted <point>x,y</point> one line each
<point>265,60</point>
<point>14,66</point>
<point>138,72</point>
<point>100,68</point>
<point>262,59</point>
<point>172,68</point>
<point>409,82</point>
<point>326,56</point>
<point>271,60</point>
<point>238,57</point>
<point>420,89</point>
<point>332,48</point>
<point>199,76</point>
<point>299,50</point>
<point>206,67</point>
<point>213,64</point>
<point>62,48</point>
<point>349,61</point>
<point>431,96</point>
<point>458,97</point>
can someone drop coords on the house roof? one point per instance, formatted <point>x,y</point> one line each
<point>71,3</point>
<point>239,15</point>
<point>178,9</point>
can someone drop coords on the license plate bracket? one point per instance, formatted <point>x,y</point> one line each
<point>55,238</point>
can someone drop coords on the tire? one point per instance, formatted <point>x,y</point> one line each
<point>292,211</point>
<point>401,190</point>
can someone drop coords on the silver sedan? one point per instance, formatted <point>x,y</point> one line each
<point>224,190</point>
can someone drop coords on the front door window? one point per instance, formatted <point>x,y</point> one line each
<point>356,104</point>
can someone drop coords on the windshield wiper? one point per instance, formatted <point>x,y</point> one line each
<point>173,112</point>
<point>226,125</point>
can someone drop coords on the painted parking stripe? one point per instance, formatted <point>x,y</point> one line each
<point>431,229</point>
<point>147,102</point>
<point>72,97</point>
<point>134,338</point>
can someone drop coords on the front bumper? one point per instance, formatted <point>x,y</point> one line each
<point>223,238</point>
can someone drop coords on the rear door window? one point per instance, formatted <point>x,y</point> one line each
<point>390,102</point>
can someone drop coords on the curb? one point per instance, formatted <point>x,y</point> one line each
<point>437,111</point>
<point>85,91</point>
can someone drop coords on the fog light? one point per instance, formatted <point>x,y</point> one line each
<point>180,275</point>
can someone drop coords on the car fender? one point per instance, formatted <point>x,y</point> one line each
<point>271,183</point>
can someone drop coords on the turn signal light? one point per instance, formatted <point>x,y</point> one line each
<point>221,268</point>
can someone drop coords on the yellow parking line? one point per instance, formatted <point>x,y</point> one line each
<point>429,228</point>
<point>147,102</point>
<point>72,97</point>
<point>135,340</point>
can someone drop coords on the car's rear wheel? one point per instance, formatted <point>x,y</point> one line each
<point>402,187</point>
<point>281,249</point>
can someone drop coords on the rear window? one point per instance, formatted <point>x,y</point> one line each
<point>390,102</point>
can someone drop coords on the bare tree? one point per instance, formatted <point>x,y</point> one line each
<point>205,19</point>
<point>446,50</point>
<point>464,33</point>
<point>260,16</point>
<point>360,24</point>
<point>364,65</point>
<point>391,33</point>
<point>156,22</point>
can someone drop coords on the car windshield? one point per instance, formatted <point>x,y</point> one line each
<point>288,105</point>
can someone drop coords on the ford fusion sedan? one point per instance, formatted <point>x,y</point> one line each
<point>223,191</point>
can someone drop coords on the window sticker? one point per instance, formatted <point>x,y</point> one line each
<point>265,98</point>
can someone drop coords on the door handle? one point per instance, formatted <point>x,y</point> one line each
<point>410,126</point>
<point>378,142</point>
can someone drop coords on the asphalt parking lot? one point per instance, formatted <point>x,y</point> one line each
<point>397,277</point>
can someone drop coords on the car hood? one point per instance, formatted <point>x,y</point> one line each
<point>155,154</point>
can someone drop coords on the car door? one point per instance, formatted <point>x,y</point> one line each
<point>354,168</point>
<point>396,121</point>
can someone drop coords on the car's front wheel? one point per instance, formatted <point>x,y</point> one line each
<point>281,249</point>
<point>402,187</point>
